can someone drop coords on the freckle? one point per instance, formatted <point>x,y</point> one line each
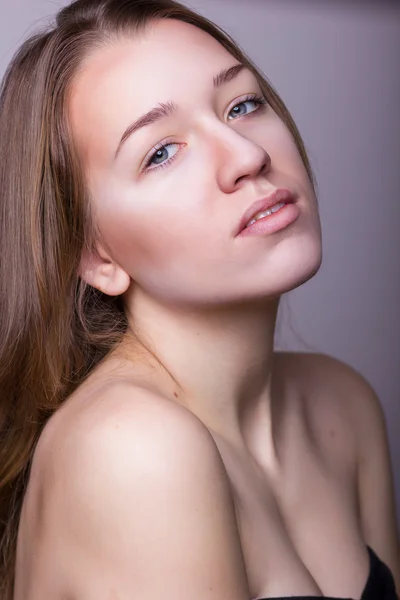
<point>176,395</point>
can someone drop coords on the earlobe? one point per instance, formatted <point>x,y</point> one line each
<point>102,273</point>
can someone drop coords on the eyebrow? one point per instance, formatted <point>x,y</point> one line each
<point>167,109</point>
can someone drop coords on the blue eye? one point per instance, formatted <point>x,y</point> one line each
<point>252,99</point>
<point>161,155</point>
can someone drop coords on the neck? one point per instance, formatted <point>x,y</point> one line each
<point>218,362</point>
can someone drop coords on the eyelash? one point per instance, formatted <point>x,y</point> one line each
<point>259,100</point>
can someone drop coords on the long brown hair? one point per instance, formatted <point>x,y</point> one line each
<point>53,328</point>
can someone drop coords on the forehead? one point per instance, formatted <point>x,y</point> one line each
<point>122,80</point>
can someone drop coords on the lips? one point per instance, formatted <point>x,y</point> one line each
<point>279,195</point>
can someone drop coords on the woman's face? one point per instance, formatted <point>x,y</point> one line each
<point>169,202</point>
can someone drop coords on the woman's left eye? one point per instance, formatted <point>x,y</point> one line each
<point>257,100</point>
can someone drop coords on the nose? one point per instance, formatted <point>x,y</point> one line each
<point>239,159</point>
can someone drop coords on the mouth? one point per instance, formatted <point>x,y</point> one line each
<point>265,207</point>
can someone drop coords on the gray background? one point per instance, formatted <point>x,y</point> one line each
<point>337,66</point>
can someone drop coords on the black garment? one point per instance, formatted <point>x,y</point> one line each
<point>379,586</point>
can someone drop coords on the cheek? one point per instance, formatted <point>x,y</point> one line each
<point>137,241</point>
<point>149,235</point>
<point>285,157</point>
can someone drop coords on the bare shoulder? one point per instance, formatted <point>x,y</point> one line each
<point>316,367</point>
<point>127,422</point>
<point>328,384</point>
<point>135,487</point>
<point>348,419</point>
<point>115,409</point>
<point>331,396</point>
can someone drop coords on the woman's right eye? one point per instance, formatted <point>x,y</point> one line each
<point>160,153</point>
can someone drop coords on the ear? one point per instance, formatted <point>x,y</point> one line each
<point>99,270</point>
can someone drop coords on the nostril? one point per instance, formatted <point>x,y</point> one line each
<point>266,165</point>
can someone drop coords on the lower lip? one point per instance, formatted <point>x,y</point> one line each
<point>274,222</point>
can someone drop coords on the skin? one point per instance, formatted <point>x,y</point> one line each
<point>195,461</point>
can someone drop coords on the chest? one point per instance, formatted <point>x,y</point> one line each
<point>300,530</point>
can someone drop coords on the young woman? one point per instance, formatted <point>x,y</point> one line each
<point>156,201</point>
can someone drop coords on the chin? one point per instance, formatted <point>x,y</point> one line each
<point>301,278</point>
<point>287,271</point>
<point>292,265</point>
<point>293,257</point>
<point>299,265</point>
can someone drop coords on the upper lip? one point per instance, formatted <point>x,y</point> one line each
<point>279,195</point>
